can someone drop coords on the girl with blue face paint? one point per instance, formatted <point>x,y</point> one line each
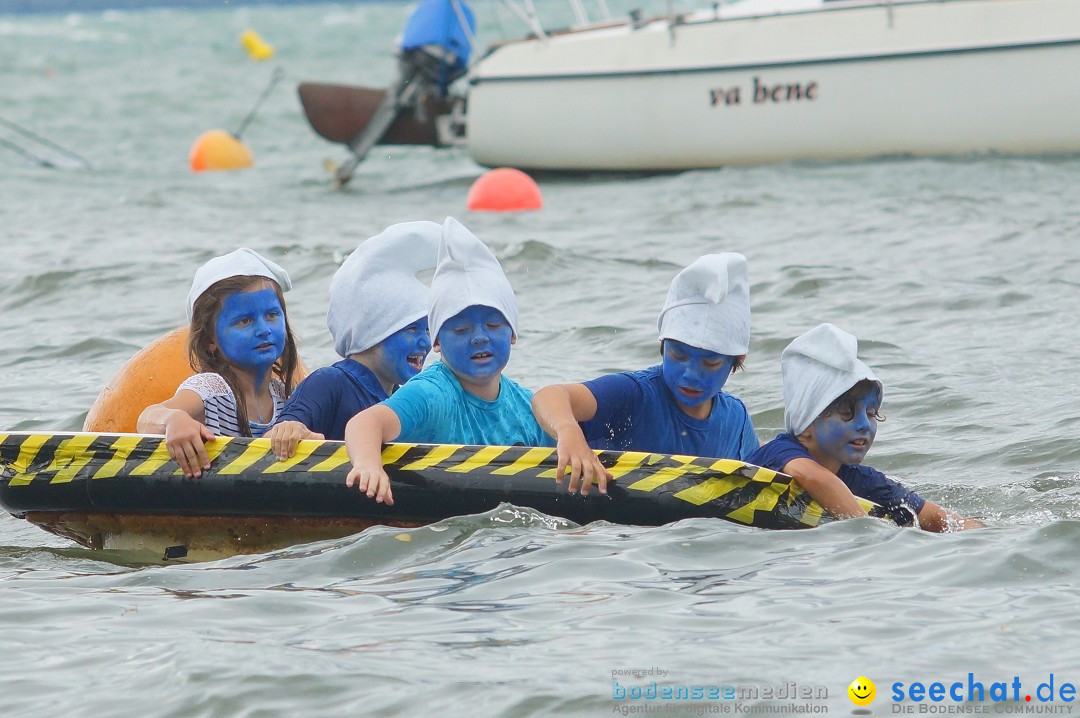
<point>832,406</point>
<point>241,345</point>
<point>464,398</point>
<point>378,318</point>
<point>677,407</point>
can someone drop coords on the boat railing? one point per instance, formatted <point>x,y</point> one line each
<point>641,15</point>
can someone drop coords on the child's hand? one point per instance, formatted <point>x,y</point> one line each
<point>373,481</point>
<point>585,467</point>
<point>184,438</point>
<point>285,436</point>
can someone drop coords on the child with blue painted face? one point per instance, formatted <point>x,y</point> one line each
<point>239,340</point>
<point>832,404</point>
<point>378,318</point>
<point>464,398</point>
<point>676,407</point>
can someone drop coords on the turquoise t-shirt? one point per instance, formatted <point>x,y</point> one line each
<point>433,408</point>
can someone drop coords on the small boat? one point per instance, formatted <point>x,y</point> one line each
<point>123,492</point>
<point>763,81</point>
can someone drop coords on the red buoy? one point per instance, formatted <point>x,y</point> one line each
<point>504,190</point>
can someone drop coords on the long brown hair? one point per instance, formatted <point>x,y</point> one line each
<point>205,356</point>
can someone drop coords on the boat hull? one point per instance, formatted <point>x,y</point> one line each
<point>340,113</point>
<point>841,82</point>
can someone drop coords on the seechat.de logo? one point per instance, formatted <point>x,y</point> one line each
<point>862,691</point>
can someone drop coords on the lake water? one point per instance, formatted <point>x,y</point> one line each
<point>961,279</point>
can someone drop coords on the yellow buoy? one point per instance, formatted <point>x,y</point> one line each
<point>219,150</point>
<point>257,48</point>
<point>150,377</point>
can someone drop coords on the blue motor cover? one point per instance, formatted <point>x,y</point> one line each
<point>436,23</point>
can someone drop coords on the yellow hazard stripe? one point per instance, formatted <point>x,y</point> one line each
<point>392,453</point>
<point>767,476</point>
<point>214,448</point>
<point>480,458</point>
<point>433,457</point>
<point>553,473</point>
<point>728,466</point>
<point>529,460</point>
<point>303,450</point>
<point>335,460</point>
<point>256,450</point>
<point>764,501</point>
<point>70,457</point>
<point>629,461</point>
<point>661,477</point>
<point>812,515</point>
<point>27,452</point>
<point>121,448</point>
<point>158,458</point>
<point>711,489</point>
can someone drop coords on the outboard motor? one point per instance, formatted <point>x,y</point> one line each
<point>435,45</point>
<point>434,51</point>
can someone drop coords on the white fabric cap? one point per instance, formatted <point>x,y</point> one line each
<point>375,292</point>
<point>708,305</point>
<point>818,367</point>
<point>468,274</point>
<point>243,262</point>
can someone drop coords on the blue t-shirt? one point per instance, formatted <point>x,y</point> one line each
<point>327,398</point>
<point>434,408</point>
<point>636,411</point>
<point>863,481</point>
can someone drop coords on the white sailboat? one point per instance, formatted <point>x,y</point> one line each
<point>763,81</point>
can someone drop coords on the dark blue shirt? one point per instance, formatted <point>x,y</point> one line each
<point>864,481</point>
<point>635,411</point>
<point>328,397</point>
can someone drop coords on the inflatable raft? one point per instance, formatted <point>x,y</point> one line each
<point>122,491</point>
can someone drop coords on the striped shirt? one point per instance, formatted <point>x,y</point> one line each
<point>219,404</point>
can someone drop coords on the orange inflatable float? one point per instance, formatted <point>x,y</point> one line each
<point>149,377</point>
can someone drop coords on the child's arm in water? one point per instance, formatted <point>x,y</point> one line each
<point>942,520</point>
<point>284,437</point>
<point>825,487</point>
<point>180,420</point>
<point>365,435</point>
<point>558,409</point>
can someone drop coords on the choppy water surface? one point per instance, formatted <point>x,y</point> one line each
<point>961,278</point>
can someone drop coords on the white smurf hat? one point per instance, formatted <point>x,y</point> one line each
<point>818,367</point>
<point>375,292</point>
<point>708,305</point>
<point>243,262</point>
<point>468,274</point>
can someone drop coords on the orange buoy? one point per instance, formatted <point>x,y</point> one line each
<point>149,377</point>
<point>219,150</point>
<point>504,190</point>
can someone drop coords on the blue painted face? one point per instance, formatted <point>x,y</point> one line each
<point>475,343</point>
<point>404,351</point>
<point>845,433</point>
<point>251,330</point>
<point>694,375</point>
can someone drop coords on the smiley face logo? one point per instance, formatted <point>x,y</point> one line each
<point>862,691</point>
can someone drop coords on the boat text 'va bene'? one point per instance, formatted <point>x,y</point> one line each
<point>764,93</point>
